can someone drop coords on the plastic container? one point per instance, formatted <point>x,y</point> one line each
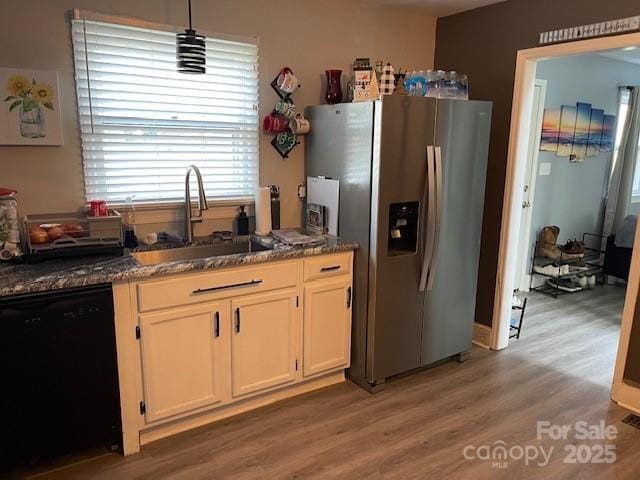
<point>10,247</point>
<point>243,222</point>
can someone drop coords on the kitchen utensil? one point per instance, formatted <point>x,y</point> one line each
<point>286,109</point>
<point>287,81</point>
<point>299,125</point>
<point>286,139</point>
<point>274,123</point>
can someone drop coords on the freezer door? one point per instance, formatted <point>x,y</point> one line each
<point>339,146</point>
<point>461,149</point>
<point>404,129</point>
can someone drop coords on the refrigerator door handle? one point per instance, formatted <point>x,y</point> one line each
<point>431,218</point>
<point>438,215</point>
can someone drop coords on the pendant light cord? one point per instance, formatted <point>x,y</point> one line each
<point>190,27</point>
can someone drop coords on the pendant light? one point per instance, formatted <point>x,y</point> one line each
<point>190,50</point>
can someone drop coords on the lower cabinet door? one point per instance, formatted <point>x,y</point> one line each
<point>183,364</point>
<point>263,341</point>
<point>327,325</point>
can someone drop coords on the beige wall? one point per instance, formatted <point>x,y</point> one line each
<point>307,35</point>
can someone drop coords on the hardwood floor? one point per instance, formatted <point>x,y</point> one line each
<point>559,371</point>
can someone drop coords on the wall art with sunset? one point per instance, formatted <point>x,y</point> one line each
<point>578,131</point>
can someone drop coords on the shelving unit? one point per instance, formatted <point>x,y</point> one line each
<point>591,263</point>
<point>515,330</point>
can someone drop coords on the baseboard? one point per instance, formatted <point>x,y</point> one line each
<point>481,335</point>
<point>625,406</point>
<point>197,420</point>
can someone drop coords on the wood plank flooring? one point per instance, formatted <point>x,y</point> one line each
<point>560,371</point>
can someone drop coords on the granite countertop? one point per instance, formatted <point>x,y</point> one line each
<point>17,279</point>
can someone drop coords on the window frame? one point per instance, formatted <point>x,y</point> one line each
<point>80,14</point>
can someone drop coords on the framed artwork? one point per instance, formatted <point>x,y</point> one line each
<point>581,134</point>
<point>595,132</point>
<point>567,129</point>
<point>30,112</point>
<point>577,132</point>
<point>550,130</point>
<point>608,133</point>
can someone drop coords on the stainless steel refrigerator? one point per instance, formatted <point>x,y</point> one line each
<point>412,177</point>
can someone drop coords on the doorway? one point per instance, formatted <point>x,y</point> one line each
<point>523,278</point>
<point>519,147</point>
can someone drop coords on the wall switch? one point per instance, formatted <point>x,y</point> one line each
<point>545,169</point>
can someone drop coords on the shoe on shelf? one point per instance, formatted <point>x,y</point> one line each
<point>550,270</point>
<point>578,268</point>
<point>573,246</point>
<point>564,284</point>
<point>547,246</point>
<point>583,282</point>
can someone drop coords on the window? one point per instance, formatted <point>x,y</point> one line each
<point>142,123</point>
<point>623,112</point>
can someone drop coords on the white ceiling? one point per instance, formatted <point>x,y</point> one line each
<point>438,8</point>
<point>630,56</point>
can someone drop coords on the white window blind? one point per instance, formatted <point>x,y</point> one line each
<point>142,123</point>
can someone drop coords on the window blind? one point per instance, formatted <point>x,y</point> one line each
<point>142,123</point>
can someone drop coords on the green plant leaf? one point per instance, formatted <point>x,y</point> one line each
<point>29,104</point>
<point>14,105</point>
<point>10,97</point>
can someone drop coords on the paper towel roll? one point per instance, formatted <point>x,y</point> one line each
<point>263,211</point>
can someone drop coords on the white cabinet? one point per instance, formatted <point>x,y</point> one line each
<point>217,343</point>
<point>263,341</point>
<point>183,359</point>
<point>327,325</point>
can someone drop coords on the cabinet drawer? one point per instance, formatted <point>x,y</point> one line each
<point>201,287</point>
<point>326,266</point>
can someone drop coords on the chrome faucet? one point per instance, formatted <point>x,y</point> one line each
<point>189,218</point>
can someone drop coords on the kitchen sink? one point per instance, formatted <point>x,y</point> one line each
<point>154,257</point>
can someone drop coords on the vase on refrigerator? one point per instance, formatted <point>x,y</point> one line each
<point>334,88</point>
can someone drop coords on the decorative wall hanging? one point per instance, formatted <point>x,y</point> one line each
<point>608,133</point>
<point>284,121</point>
<point>550,130</point>
<point>30,113</point>
<point>595,132</point>
<point>567,129</point>
<point>581,134</point>
<point>577,131</point>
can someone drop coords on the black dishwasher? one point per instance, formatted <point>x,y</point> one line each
<point>59,375</point>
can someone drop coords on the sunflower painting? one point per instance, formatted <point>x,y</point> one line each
<point>31,113</point>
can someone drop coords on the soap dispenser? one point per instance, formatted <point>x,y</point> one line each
<point>243,222</point>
